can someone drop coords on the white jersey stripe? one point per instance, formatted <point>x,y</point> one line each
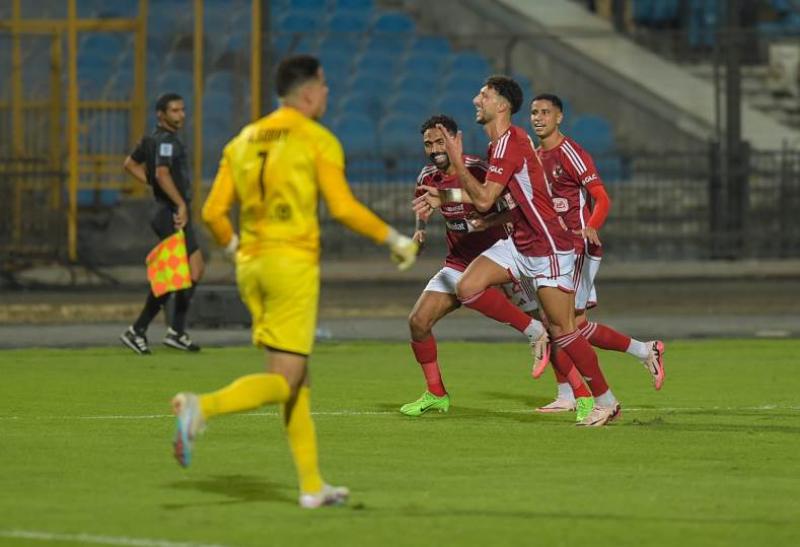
<point>527,188</point>
<point>574,157</point>
<point>500,149</point>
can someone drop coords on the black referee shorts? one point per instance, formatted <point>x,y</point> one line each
<point>164,226</point>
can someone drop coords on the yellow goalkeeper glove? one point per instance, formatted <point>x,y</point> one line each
<point>403,249</point>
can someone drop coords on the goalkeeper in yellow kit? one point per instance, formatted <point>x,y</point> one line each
<point>275,169</point>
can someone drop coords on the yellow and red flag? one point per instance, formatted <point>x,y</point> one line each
<point>168,265</point>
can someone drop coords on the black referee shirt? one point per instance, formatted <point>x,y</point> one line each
<point>163,148</point>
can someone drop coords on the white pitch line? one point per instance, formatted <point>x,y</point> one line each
<point>99,540</point>
<point>393,413</point>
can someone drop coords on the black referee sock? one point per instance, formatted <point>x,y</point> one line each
<point>182,300</point>
<point>151,308</point>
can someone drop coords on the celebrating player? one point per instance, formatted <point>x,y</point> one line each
<point>276,168</point>
<point>464,243</point>
<point>539,253</point>
<point>572,175</point>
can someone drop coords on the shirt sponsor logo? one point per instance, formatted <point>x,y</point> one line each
<point>495,169</point>
<point>561,205</point>
<point>508,200</point>
<point>165,150</point>
<point>457,225</point>
<point>590,178</point>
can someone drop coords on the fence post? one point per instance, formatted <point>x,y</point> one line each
<point>716,202</point>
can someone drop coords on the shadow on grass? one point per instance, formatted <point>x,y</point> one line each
<point>236,488</point>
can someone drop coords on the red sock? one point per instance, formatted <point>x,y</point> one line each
<point>584,357</point>
<point>566,372</point>
<point>604,337</point>
<point>493,304</point>
<point>425,353</point>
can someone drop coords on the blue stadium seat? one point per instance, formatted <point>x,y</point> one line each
<point>119,87</point>
<point>336,64</point>
<point>470,63</point>
<point>357,133</point>
<point>223,81</point>
<point>413,106</point>
<point>427,64</point>
<point>175,81</point>
<point>301,22</point>
<point>398,135</point>
<point>370,83</point>
<point>610,168</point>
<point>349,22</point>
<point>387,43</point>
<point>378,64</point>
<point>467,85</point>
<point>308,4</point>
<point>218,105</point>
<point>394,22</point>
<point>362,103</point>
<point>347,44</point>
<point>423,84</point>
<point>593,133</point>
<point>430,46</point>
<point>179,60</point>
<point>355,5</point>
<point>527,88</point>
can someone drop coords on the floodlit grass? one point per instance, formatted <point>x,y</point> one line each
<point>710,460</point>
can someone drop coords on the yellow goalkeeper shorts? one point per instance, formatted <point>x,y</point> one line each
<point>281,290</point>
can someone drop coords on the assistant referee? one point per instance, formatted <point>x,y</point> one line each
<point>160,161</point>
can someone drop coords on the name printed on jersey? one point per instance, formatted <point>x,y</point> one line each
<point>165,149</point>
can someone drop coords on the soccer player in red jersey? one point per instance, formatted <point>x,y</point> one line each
<point>466,239</point>
<point>579,197</point>
<point>540,254</point>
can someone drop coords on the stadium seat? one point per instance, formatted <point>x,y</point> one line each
<point>393,44</point>
<point>300,22</point>
<point>425,64</point>
<point>423,84</point>
<point>470,63</point>
<point>413,106</point>
<point>175,81</point>
<point>349,22</point>
<point>434,46</point>
<point>223,81</point>
<point>594,133</point>
<point>355,5</point>
<point>393,22</point>
<point>467,85</point>
<point>345,44</point>
<point>357,133</point>
<point>398,135</point>
<point>320,5</point>
<point>362,103</point>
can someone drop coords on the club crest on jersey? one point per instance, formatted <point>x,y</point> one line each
<point>560,205</point>
<point>557,171</point>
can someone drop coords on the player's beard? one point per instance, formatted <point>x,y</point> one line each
<point>442,164</point>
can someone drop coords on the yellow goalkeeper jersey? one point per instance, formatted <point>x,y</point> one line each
<point>276,168</point>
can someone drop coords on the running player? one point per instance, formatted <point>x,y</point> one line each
<point>540,253</point>
<point>464,243</point>
<point>275,169</point>
<point>572,175</point>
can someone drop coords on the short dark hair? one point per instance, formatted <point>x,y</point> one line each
<point>549,97</point>
<point>294,71</point>
<point>508,89</point>
<point>163,101</point>
<point>440,119</point>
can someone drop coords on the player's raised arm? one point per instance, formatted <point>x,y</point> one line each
<point>482,195</point>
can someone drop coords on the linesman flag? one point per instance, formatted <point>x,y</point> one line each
<point>168,265</point>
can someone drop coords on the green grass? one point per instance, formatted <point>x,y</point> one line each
<point>710,460</point>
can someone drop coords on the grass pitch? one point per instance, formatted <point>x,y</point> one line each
<point>85,455</point>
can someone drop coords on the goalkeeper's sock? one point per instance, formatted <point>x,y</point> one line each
<point>151,308</point>
<point>425,353</point>
<point>493,304</point>
<point>303,441</point>
<point>246,393</point>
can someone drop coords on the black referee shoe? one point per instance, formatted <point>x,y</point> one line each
<point>137,342</point>
<point>180,341</point>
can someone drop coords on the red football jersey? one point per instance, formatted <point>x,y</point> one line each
<point>463,246</point>
<point>571,170</point>
<point>513,163</point>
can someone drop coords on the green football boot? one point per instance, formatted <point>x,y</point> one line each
<point>427,402</point>
<point>583,406</point>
